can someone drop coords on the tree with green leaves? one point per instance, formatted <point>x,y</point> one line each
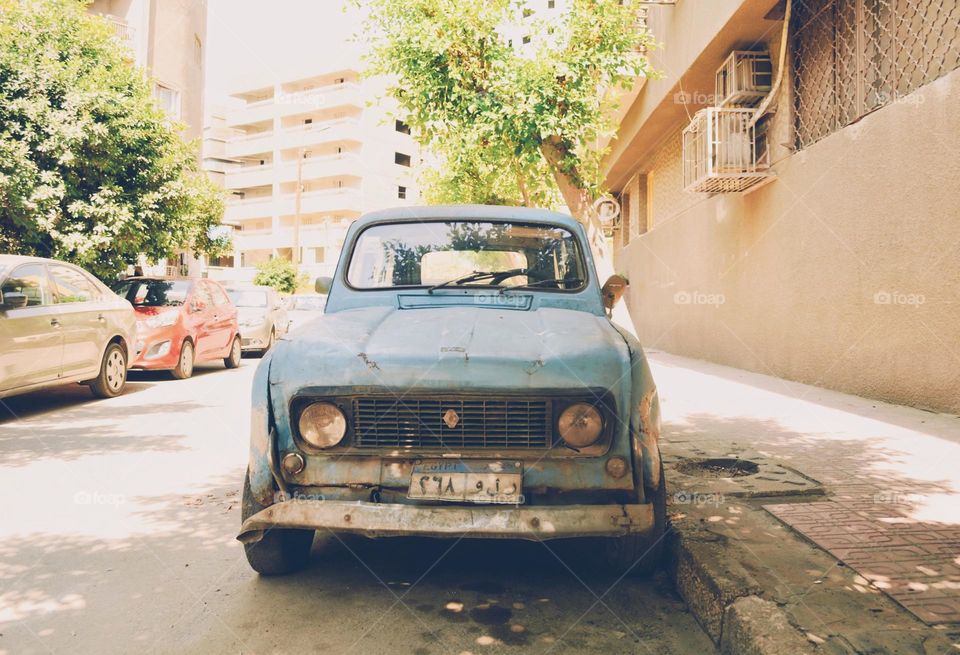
<point>91,169</point>
<point>509,124</point>
<point>281,274</point>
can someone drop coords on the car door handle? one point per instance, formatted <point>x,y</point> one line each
<point>101,318</point>
<point>55,322</point>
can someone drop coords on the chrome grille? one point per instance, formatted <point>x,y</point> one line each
<point>481,423</point>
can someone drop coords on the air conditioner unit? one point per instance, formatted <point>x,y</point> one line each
<point>722,152</point>
<point>744,79</point>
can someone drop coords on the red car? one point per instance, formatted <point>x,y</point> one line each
<point>181,321</point>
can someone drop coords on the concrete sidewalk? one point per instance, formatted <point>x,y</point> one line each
<point>769,467</point>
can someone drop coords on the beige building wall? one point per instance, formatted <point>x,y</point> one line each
<point>844,271</point>
<point>175,56</point>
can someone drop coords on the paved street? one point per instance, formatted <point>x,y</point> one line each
<point>118,536</point>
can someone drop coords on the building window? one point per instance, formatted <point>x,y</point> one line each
<point>168,99</point>
<point>850,58</point>
<point>551,4</point>
<point>402,127</point>
<point>526,40</point>
<point>402,192</point>
<point>402,159</point>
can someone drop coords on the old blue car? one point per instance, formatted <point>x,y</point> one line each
<point>465,380</point>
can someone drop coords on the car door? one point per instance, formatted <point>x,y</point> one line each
<point>203,311</point>
<point>224,316</point>
<point>83,319</point>
<point>31,336</point>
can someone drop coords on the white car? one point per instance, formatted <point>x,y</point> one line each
<point>60,324</point>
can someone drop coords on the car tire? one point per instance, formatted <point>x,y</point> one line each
<point>281,550</point>
<point>641,554</point>
<point>233,359</point>
<point>112,378</point>
<point>184,367</point>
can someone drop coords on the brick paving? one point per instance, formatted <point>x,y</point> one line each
<point>891,508</point>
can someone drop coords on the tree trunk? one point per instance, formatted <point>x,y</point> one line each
<point>578,202</point>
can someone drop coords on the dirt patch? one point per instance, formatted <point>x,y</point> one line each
<point>718,467</point>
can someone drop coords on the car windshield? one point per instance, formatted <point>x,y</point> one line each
<point>309,303</point>
<point>432,253</point>
<point>248,297</point>
<point>153,293</point>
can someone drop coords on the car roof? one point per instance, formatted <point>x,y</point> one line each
<point>467,212</point>
<point>19,259</point>
<point>165,278</point>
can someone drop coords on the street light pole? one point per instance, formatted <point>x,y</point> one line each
<point>296,209</point>
<point>301,153</point>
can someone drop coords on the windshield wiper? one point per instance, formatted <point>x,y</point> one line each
<point>495,276</point>
<point>540,283</point>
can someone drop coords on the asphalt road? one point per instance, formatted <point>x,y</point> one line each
<point>117,536</point>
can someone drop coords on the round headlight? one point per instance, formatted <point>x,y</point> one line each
<point>580,425</point>
<point>322,425</point>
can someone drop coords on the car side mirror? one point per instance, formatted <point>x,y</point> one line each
<point>613,290</point>
<point>323,284</point>
<point>197,306</point>
<point>12,300</point>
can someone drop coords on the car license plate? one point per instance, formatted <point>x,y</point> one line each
<point>467,481</point>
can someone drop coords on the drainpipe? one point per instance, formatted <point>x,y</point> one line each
<point>784,34</point>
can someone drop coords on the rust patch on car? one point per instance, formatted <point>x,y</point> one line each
<point>372,365</point>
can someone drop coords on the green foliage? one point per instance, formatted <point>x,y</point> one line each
<point>91,170</point>
<point>507,125</point>
<point>281,274</point>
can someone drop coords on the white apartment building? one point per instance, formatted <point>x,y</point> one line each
<point>333,133</point>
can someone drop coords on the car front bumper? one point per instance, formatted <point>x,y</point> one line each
<point>534,523</point>
<point>254,337</point>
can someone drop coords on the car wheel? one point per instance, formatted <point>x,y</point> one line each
<point>281,550</point>
<point>112,378</point>
<point>641,554</point>
<point>184,368</point>
<point>233,359</point>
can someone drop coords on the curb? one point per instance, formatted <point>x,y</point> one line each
<point>725,599</point>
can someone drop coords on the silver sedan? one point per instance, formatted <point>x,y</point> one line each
<point>60,324</point>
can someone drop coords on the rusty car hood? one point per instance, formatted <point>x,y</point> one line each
<point>451,348</point>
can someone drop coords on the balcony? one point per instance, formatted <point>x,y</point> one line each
<point>250,144</point>
<point>314,168</point>
<point>328,201</point>
<point>248,177</point>
<point>296,102</point>
<point>241,210</point>
<point>250,113</point>
<point>304,136</point>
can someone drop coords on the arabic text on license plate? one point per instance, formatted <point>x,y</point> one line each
<point>467,481</point>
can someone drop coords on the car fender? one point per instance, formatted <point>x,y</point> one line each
<point>644,415</point>
<point>261,445</point>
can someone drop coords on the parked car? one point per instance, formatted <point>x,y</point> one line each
<point>60,324</point>
<point>464,380</point>
<point>302,308</point>
<point>180,322</point>
<point>263,318</point>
